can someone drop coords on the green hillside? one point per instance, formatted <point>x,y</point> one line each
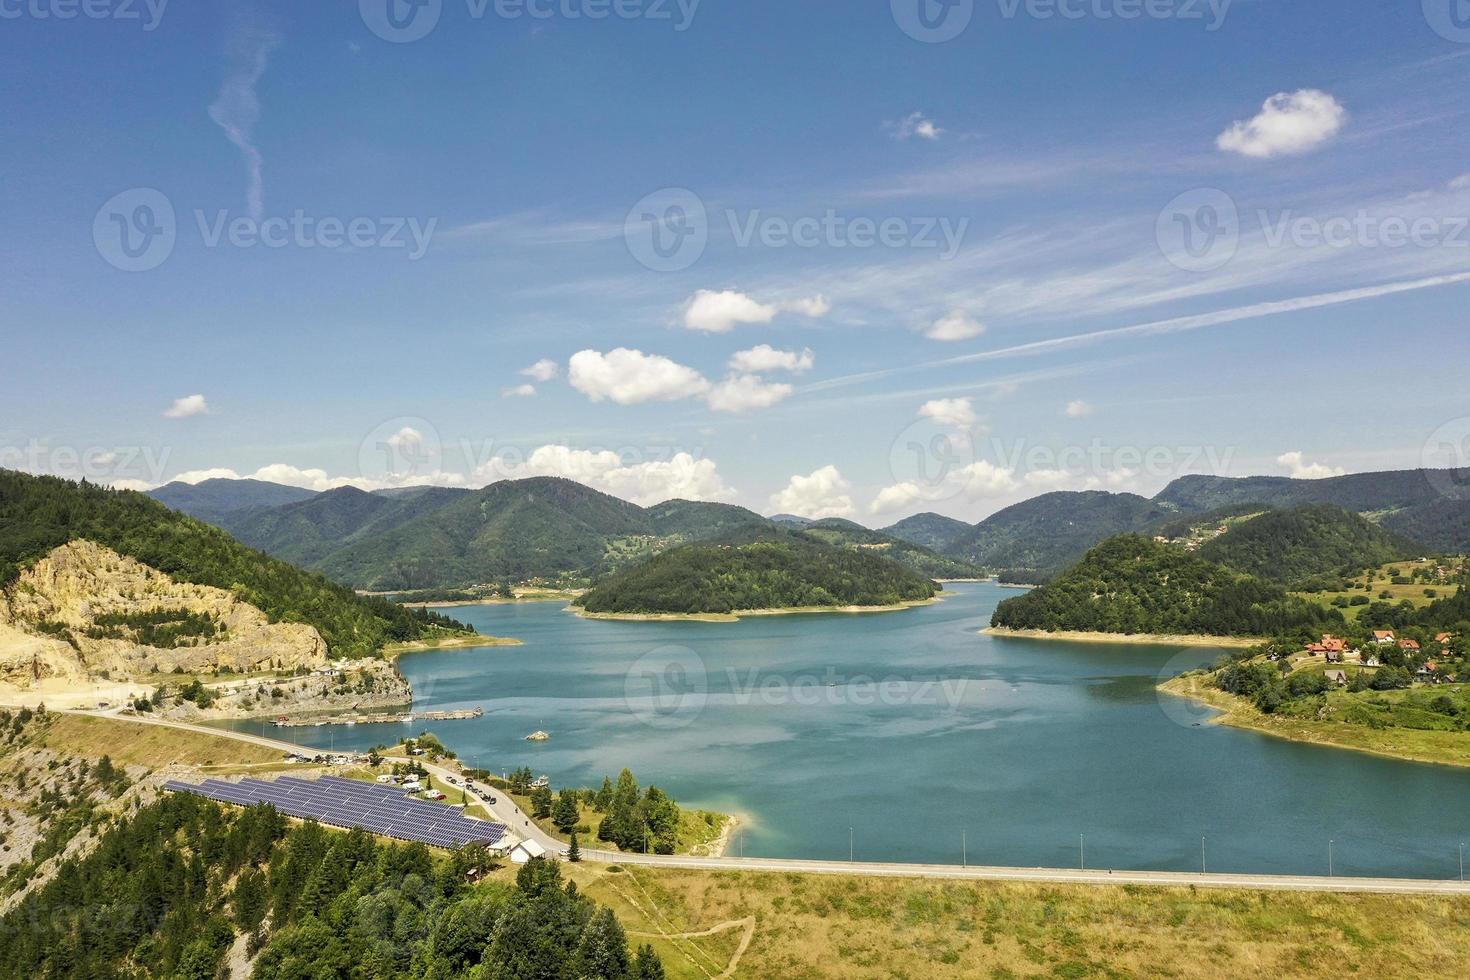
<point>1130,584</point>
<point>846,534</point>
<point>696,519</point>
<point>38,514</point>
<point>1037,538</point>
<point>933,531</point>
<point>774,570</point>
<point>1290,546</point>
<point>211,500</point>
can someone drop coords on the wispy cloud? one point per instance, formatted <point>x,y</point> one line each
<point>236,109</point>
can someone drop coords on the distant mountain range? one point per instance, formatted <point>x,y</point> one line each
<point>543,528</point>
<point>549,528</point>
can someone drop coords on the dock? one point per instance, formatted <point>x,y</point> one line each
<point>380,718</point>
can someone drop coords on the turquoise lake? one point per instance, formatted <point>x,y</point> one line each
<point>917,732</point>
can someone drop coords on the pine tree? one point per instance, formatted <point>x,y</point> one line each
<point>602,950</point>
<point>646,965</point>
<point>574,852</point>
<point>565,814</point>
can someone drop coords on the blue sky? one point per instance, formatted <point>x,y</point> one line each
<point>906,275</point>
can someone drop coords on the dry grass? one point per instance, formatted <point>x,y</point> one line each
<point>152,746</point>
<point>821,926</point>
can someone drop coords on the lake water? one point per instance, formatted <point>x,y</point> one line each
<point>918,732</point>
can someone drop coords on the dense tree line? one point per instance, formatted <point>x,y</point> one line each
<point>643,823</point>
<point>1291,546</point>
<point>1131,584</point>
<point>775,570</point>
<point>168,892</point>
<point>38,514</point>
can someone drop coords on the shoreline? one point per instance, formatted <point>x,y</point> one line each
<point>1234,712</point>
<point>394,650</point>
<point>1152,639</point>
<point>566,596</point>
<point>739,614</point>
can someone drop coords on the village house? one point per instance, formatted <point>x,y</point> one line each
<point>1338,677</point>
<point>1410,645</point>
<point>1383,637</point>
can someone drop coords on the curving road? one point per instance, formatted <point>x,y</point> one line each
<point>505,811</point>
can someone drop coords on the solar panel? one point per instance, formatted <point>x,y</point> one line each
<point>349,803</point>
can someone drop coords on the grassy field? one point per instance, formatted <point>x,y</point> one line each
<point>1380,580</point>
<point>808,926</point>
<point>698,829</point>
<point>148,745</point>
<point>1418,745</point>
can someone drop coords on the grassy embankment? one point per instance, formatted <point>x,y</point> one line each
<point>450,641</point>
<point>1379,582</point>
<point>701,832</point>
<point>153,746</point>
<point>792,925</point>
<point>1367,721</point>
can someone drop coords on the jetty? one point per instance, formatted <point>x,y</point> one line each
<point>380,718</point>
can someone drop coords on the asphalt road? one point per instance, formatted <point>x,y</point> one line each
<point>505,811</point>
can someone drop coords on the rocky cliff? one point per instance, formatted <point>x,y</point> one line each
<point>84,612</point>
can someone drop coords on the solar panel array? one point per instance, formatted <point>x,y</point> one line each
<point>381,809</point>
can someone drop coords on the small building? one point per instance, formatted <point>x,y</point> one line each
<point>1383,637</point>
<point>526,850</point>
<point>1338,677</point>
<point>1444,639</point>
<point>1410,645</point>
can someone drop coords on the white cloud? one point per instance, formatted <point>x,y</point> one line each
<point>815,307</point>
<point>915,124</point>
<point>1078,409</point>
<point>955,325</point>
<point>900,496</point>
<point>1046,479</point>
<point>764,357</point>
<point>745,393</point>
<point>1299,469</point>
<point>543,370</point>
<point>719,312</point>
<point>199,476</point>
<point>187,407</point>
<point>127,483</point>
<point>237,108</point>
<point>824,493</point>
<point>681,476</point>
<point>1460,183</point>
<point>958,412</point>
<point>1288,124</point>
<point>518,391</point>
<point>712,311</point>
<point>630,377</point>
<point>983,479</point>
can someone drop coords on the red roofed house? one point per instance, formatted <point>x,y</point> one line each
<point>1408,645</point>
<point>1383,636</point>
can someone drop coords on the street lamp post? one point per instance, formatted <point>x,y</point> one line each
<point>1329,859</point>
<point>965,856</point>
<point>1202,856</point>
<point>1462,860</point>
<point>1082,850</point>
<point>849,845</point>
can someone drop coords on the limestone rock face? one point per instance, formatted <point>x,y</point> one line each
<point>46,614</point>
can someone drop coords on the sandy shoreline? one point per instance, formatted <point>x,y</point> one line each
<point>452,643</point>
<point>739,614</point>
<point>1181,640</point>
<point>456,603</point>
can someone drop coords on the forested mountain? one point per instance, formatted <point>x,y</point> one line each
<point>211,500</point>
<point>933,531</point>
<point>845,534</point>
<point>39,513</point>
<point>170,887</point>
<point>768,570</point>
<point>1440,526</point>
<point>695,519</point>
<point>1290,546</point>
<point>1361,492</point>
<point>1131,584</point>
<point>1045,534</point>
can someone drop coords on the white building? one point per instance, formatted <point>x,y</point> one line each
<point>525,851</point>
